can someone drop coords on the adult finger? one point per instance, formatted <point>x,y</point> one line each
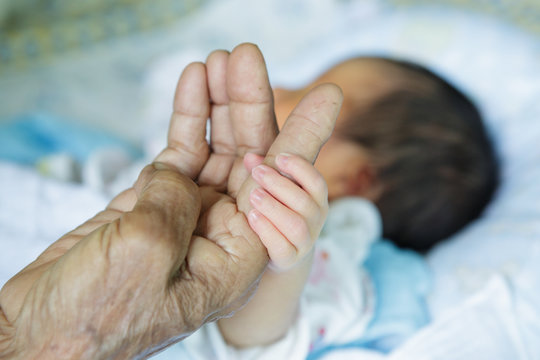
<point>216,170</point>
<point>187,149</point>
<point>251,108</point>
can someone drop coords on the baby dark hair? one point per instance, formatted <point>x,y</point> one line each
<point>430,153</point>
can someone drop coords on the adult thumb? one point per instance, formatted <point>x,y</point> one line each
<point>306,130</point>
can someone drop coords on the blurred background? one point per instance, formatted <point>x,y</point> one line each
<point>88,61</point>
<point>86,90</point>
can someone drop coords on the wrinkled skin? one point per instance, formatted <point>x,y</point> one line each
<point>174,251</point>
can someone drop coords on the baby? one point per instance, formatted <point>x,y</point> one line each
<point>406,141</point>
<point>409,142</point>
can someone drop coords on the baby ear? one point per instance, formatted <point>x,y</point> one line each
<point>363,183</point>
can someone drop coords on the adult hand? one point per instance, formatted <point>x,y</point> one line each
<point>166,256</point>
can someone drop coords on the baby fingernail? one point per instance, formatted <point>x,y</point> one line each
<point>257,196</point>
<point>253,215</point>
<point>258,172</point>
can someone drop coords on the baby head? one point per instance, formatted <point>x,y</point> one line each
<point>411,143</point>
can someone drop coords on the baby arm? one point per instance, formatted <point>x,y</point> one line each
<point>288,214</point>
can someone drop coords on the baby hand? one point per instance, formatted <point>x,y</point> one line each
<point>289,209</point>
